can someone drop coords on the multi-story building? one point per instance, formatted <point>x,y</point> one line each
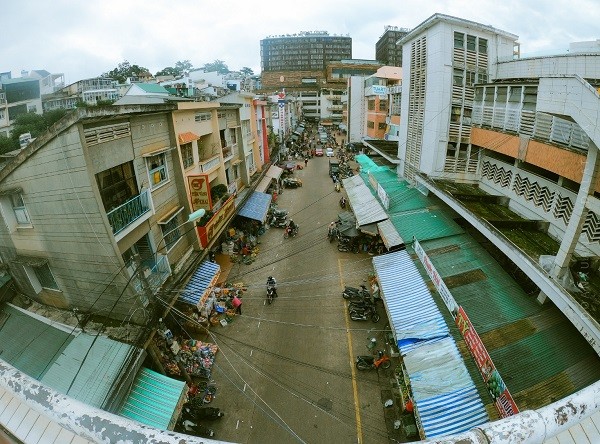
<point>510,145</point>
<point>87,91</point>
<point>300,59</point>
<point>387,51</point>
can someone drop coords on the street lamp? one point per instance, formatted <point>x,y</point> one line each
<point>191,218</point>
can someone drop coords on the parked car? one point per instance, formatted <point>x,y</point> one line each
<point>329,152</point>
<point>319,152</point>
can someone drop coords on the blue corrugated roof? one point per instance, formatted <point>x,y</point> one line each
<point>413,313</point>
<point>256,207</point>
<point>200,281</point>
<point>444,394</point>
<point>153,399</point>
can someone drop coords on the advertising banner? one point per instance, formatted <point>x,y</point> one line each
<point>503,400</point>
<point>213,227</point>
<point>199,192</point>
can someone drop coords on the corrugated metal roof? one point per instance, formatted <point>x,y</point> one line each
<point>88,368</point>
<point>203,278</point>
<point>256,207</point>
<point>274,171</point>
<point>153,400</point>
<point>187,137</point>
<point>263,184</point>
<point>414,316</point>
<point>352,181</point>
<point>444,394</point>
<point>425,224</point>
<point>388,234</point>
<point>366,207</point>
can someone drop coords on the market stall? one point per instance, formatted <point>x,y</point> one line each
<point>200,285</point>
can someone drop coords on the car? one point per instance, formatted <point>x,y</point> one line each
<point>329,152</point>
<point>319,152</point>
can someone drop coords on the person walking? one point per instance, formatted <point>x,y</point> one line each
<point>305,161</point>
<point>237,304</point>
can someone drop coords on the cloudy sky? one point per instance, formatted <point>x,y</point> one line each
<point>85,38</point>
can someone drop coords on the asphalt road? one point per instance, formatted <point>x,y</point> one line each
<point>285,372</point>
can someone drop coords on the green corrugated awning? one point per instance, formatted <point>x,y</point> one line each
<point>154,400</point>
<point>424,224</point>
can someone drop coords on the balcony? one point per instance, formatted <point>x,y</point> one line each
<point>156,274</point>
<point>209,164</point>
<point>134,210</point>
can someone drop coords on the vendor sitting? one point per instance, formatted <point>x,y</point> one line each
<point>245,250</point>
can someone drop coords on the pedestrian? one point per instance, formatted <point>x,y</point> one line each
<point>305,161</point>
<point>237,304</point>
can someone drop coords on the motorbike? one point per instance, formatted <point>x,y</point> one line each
<point>200,413</point>
<point>271,294</point>
<point>332,234</point>
<point>278,222</point>
<point>355,293</point>
<point>359,305</point>
<point>347,247</point>
<point>337,186</point>
<point>343,202</point>
<point>368,362</point>
<point>291,182</point>
<point>290,232</point>
<point>365,314</point>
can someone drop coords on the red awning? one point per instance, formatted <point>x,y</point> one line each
<point>187,137</point>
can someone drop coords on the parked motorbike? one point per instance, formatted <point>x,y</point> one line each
<point>355,293</point>
<point>343,202</point>
<point>360,305</point>
<point>200,413</point>
<point>347,248</point>
<point>365,314</point>
<point>193,428</point>
<point>290,232</point>
<point>278,222</point>
<point>291,182</point>
<point>368,362</point>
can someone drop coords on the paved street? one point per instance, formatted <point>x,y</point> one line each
<point>285,371</point>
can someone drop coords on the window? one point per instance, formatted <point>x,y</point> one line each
<point>471,42</point>
<point>482,46</point>
<point>458,77</point>
<point>18,207</point>
<point>117,185</point>
<point>45,277</point>
<point>170,231</point>
<point>381,125</point>
<point>187,155</point>
<point>370,124</point>
<point>459,40</point>
<point>383,105</point>
<point>371,105</point>
<point>157,169</point>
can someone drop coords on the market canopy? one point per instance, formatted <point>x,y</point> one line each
<point>154,400</point>
<point>445,397</point>
<point>274,172</point>
<point>366,207</point>
<point>414,315</point>
<point>256,207</point>
<point>388,234</point>
<point>201,282</point>
<point>263,185</point>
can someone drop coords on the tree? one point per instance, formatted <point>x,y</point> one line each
<point>168,71</point>
<point>217,65</point>
<point>7,144</point>
<point>184,66</point>
<point>35,124</point>
<point>125,70</point>
<point>247,71</point>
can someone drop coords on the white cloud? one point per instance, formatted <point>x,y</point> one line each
<point>85,39</point>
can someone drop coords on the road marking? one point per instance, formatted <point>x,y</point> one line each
<point>352,368</point>
<point>238,424</point>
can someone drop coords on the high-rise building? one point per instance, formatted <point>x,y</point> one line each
<point>295,60</point>
<point>386,49</point>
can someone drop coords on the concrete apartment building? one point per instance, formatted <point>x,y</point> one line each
<point>387,52</point>
<point>88,91</point>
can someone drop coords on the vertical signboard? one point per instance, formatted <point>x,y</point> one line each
<point>281,109</point>
<point>199,192</point>
<point>503,400</point>
<point>437,279</point>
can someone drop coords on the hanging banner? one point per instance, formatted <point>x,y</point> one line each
<point>199,192</point>
<point>436,278</point>
<point>503,400</point>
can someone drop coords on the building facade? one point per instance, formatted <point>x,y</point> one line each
<point>386,50</point>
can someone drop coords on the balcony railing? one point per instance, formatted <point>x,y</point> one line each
<point>207,165</point>
<point>124,215</point>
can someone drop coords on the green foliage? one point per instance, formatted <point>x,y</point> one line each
<point>7,144</point>
<point>217,65</point>
<point>247,71</point>
<point>218,191</point>
<point>125,70</point>
<point>180,68</point>
<point>35,124</point>
<point>104,102</point>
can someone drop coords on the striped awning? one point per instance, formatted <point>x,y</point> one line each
<point>366,207</point>
<point>445,397</point>
<point>155,400</point>
<point>414,315</point>
<point>257,206</point>
<point>201,282</point>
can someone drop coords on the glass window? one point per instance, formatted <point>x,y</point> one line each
<point>45,277</point>
<point>371,105</point>
<point>117,185</point>
<point>383,105</point>
<point>471,42</point>
<point>459,40</point>
<point>187,155</point>
<point>370,124</point>
<point>157,169</point>
<point>170,232</point>
<point>18,207</point>
<point>458,77</point>
<point>381,125</point>
<point>482,46</point>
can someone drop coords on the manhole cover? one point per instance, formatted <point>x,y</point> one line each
<point>325,404</point>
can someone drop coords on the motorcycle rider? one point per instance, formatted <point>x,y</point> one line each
<point>272,283</point>
<point>292,227</point>
<point>343,202</point>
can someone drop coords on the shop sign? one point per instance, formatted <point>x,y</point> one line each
<point>436,278</point>
<point>214,225</point>
<point>199,192</point>
<point>380,90</point>
<point>503,400</point>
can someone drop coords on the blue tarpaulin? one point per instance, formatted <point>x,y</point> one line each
<point>201,281</point>
<point>256,207</point>
<point>414,315</point>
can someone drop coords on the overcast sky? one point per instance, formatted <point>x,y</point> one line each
<point>85,38</point>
